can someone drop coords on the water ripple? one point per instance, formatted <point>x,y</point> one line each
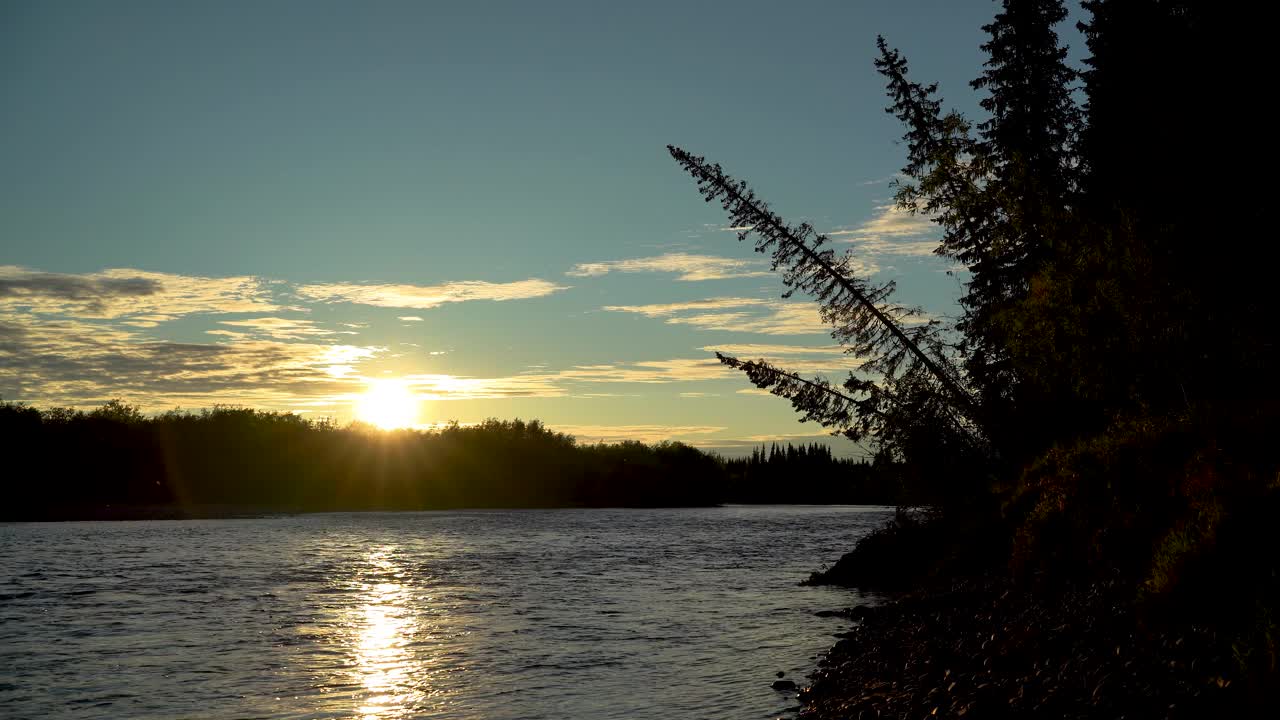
<point>518,614</point>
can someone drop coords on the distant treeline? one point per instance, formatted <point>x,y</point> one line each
<point>811,474</point>
<point>117,462</point>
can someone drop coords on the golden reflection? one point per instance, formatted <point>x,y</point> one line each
<point>385,630</point>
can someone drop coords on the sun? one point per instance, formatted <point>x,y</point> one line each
<point>388,404</point>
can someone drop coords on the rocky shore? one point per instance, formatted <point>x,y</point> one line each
<point>982,648</point>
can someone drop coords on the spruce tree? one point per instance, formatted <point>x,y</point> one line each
<point>1027,154</point>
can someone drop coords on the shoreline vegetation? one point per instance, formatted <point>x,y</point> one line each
<point>1100,417</point>
<point>115,462</point>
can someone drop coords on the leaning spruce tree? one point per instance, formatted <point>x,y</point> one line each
<point>996,196</point>
<point>911,394</point>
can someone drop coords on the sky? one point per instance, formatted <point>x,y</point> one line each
<point>284,204</point>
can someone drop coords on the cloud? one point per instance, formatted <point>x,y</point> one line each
<point>147,298</point>
<point>649,371</point>
<point>883,180</point>
<point>893,231</point>
<point>457,387</point>
<point>541,383</point>
<point>795,358</point>
<point>641,433</point>
<point>271,362</point>
<point>782,318</point>
<point>559,383</point>
<point>425,297</point>
<point>687,266</point>
<point>750,315</point>
<point>280,328</point>
<point>764,350</point>
<point>79,363</point>
<point>668,309</point>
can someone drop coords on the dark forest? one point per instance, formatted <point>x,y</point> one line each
<point>116,462</point>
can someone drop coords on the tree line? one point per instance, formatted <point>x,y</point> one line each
<point>811,474</point>
<point>115,461</point>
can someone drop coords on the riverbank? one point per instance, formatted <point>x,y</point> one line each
<point>984,648</point>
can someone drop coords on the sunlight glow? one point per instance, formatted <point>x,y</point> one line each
<point>388,404</point>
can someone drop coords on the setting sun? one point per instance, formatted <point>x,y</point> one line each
<point>388,404</point>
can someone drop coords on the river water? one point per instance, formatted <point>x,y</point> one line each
<point>475,614</point>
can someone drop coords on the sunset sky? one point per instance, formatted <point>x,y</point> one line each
<point>274,204</point>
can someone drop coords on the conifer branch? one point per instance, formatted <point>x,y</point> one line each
<point>816,400</point>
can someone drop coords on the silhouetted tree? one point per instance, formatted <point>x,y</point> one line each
<point>809,474</point>
<point>912,394</point>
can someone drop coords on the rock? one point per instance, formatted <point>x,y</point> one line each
<point>783,685</point>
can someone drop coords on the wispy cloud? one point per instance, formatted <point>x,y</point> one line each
<point>735,314</point>
<point>687,267</point>
<point>795,358</point>
<point>766,350</point>
<point>782,318</point>
<point>425,297</point>
<point>642,433</point>
<point>280,328</point>
<point>146,298</point>
<point>669,309</point>
<point>570,381</point>
<point>649,371</point>
<point>883,180</point>
<point>893,231</point>
<point>458,387</point>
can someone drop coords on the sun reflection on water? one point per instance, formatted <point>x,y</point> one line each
<point>386,628</point>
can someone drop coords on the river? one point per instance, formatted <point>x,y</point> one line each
<point>523,614</point>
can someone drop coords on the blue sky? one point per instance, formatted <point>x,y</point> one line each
<point>273,204</point>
